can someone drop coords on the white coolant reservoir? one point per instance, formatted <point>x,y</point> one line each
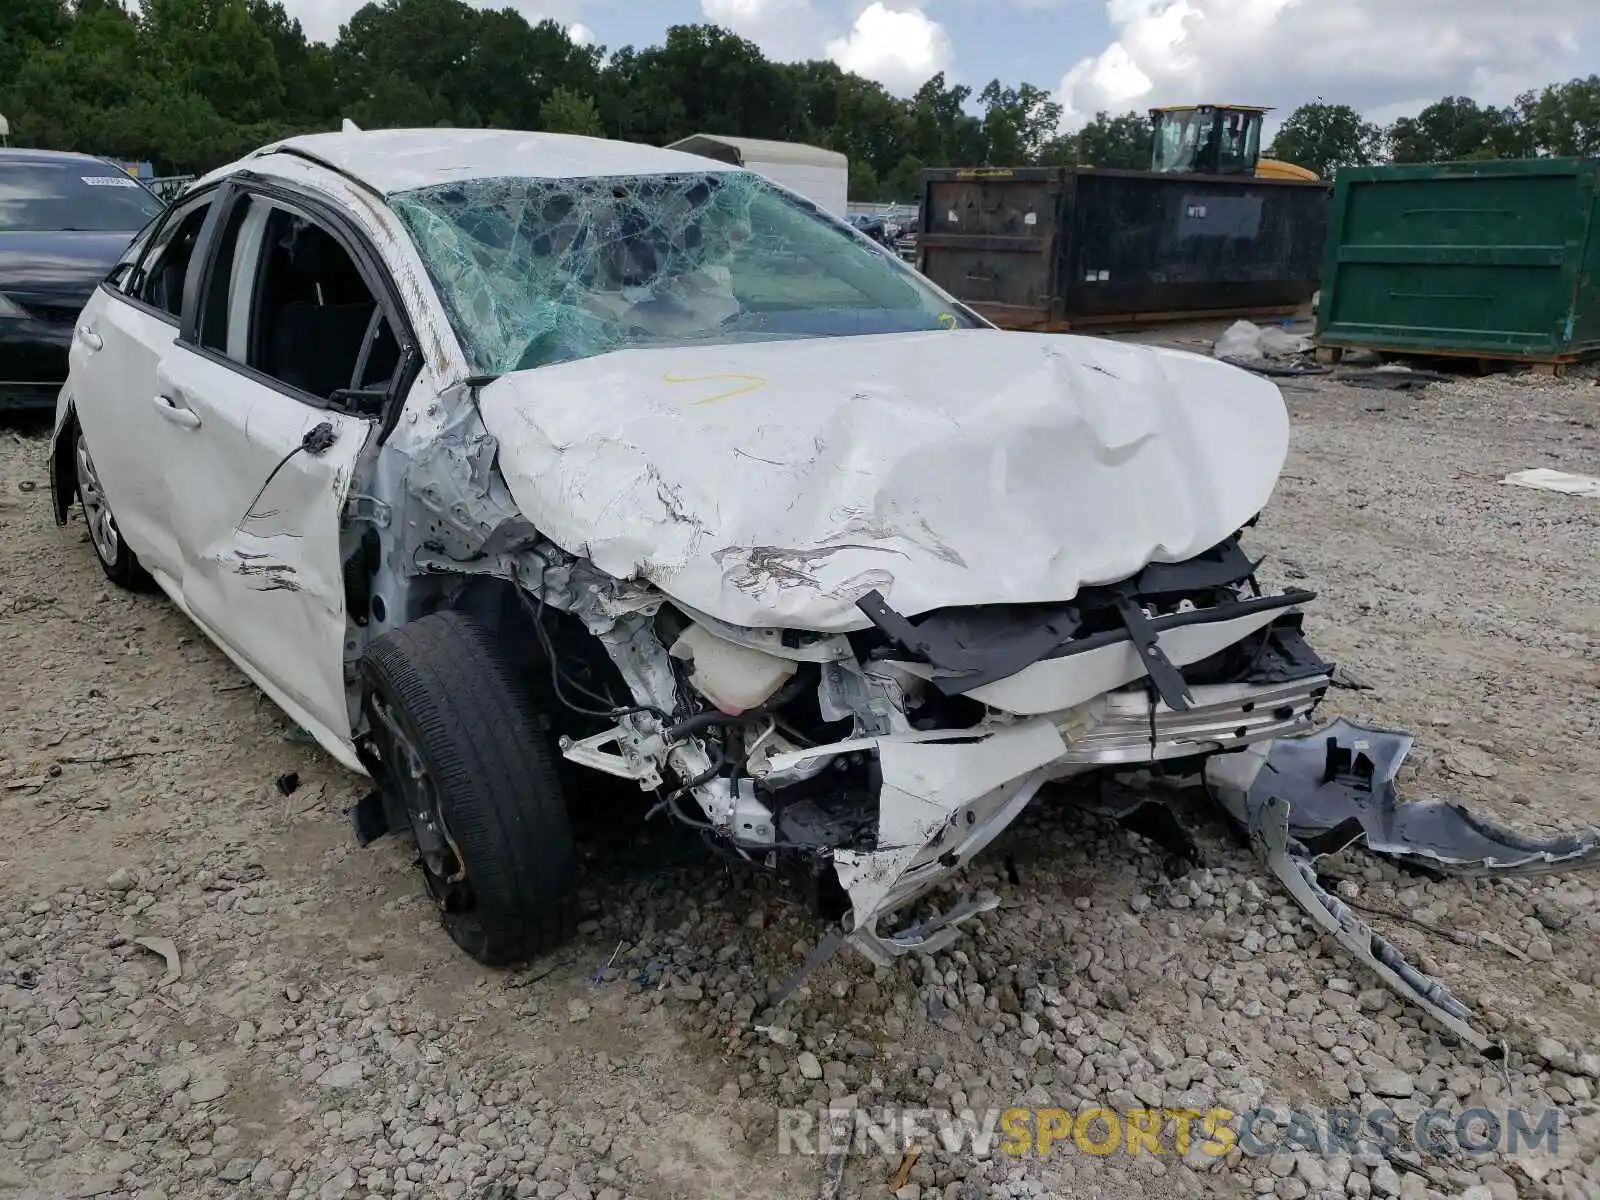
<point>734,678</point>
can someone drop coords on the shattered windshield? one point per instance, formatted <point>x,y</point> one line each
<point>540,271</point>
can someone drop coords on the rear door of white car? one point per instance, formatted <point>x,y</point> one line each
<point>123,332</point>
<point>292,355</point>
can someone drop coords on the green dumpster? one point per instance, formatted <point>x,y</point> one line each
<point>1484,259</point>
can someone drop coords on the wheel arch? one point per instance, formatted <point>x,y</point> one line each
<point>505,609</point>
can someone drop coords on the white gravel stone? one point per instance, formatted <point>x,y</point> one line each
<point>1385,1180</point>
<point>340,1077</point>
<point>210,1088</point>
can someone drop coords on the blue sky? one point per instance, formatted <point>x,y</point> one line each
<point>1386,58</point>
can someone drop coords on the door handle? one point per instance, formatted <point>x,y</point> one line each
<point>90,338</point>
<point>176,413</point>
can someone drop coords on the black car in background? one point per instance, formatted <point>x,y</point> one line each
<point>65,220</point>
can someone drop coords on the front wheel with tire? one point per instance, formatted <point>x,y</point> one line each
<point>119,563</point>
<point>460,752</point>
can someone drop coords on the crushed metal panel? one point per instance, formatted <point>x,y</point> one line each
<point>467,512</point>
<point>258,518</point>
<point>939,806</point>
<point>931,782</point>
<point>886,463</point>
<point>260,572</point>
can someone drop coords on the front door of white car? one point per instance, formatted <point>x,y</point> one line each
<point>121,337</point>
<point>260,379</point>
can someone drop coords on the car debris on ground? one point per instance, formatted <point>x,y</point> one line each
<point>1245,341</point>
<point>1301,799</point>
<point>1284,351</point>
<point>1276,351</point>
<point>1546,479</point>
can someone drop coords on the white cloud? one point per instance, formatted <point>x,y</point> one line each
<point>580,34</point>
<point>321,19</point>
<point>784,29</point>
<point>902,49</point>
<point>1374,54</point>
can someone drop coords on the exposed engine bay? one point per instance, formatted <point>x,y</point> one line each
<point>897,752</point>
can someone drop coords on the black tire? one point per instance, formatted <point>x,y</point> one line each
<point>444,682</point>
<point>119,563</point>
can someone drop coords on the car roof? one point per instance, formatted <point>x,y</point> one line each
<point>28,155</point>
<point>398,160</point>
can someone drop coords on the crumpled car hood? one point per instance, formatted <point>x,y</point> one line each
<point>773,484</point>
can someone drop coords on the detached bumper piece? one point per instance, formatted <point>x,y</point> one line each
<point>1345,773</point>
<point>1303,798</point>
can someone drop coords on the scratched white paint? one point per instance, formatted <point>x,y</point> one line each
<point>773,484</point>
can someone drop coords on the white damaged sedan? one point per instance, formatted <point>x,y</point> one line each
<point>480,451</point>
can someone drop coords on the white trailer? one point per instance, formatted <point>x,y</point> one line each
<point>821,176</point>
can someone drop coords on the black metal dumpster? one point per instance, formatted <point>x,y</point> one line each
<point>1063,247</point>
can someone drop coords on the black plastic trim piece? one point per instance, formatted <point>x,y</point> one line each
<point>197,283</point>
<point>972,669</point>
<point>1220,566</point>
<point>1164,677</point>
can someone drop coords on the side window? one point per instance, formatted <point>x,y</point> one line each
<point>311,322</point>
<point>224,317</point>
<point>376,371</point>
<point>120,274</point>
<point>158,278</point>
<point>285,298</point>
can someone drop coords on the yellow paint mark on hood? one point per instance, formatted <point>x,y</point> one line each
<point>745,384</point>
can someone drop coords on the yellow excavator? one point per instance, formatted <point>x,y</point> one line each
<point>1216,139</point>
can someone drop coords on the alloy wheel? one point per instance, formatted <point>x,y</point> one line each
<point>96,508</point>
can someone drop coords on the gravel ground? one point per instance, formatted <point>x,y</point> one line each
<point>326,1040</point>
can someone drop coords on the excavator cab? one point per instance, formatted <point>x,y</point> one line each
<point>1207,139</point>
<point>1216,139</point>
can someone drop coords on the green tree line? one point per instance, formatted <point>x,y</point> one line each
<point>190,84</point>
<point>1562,120</point>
